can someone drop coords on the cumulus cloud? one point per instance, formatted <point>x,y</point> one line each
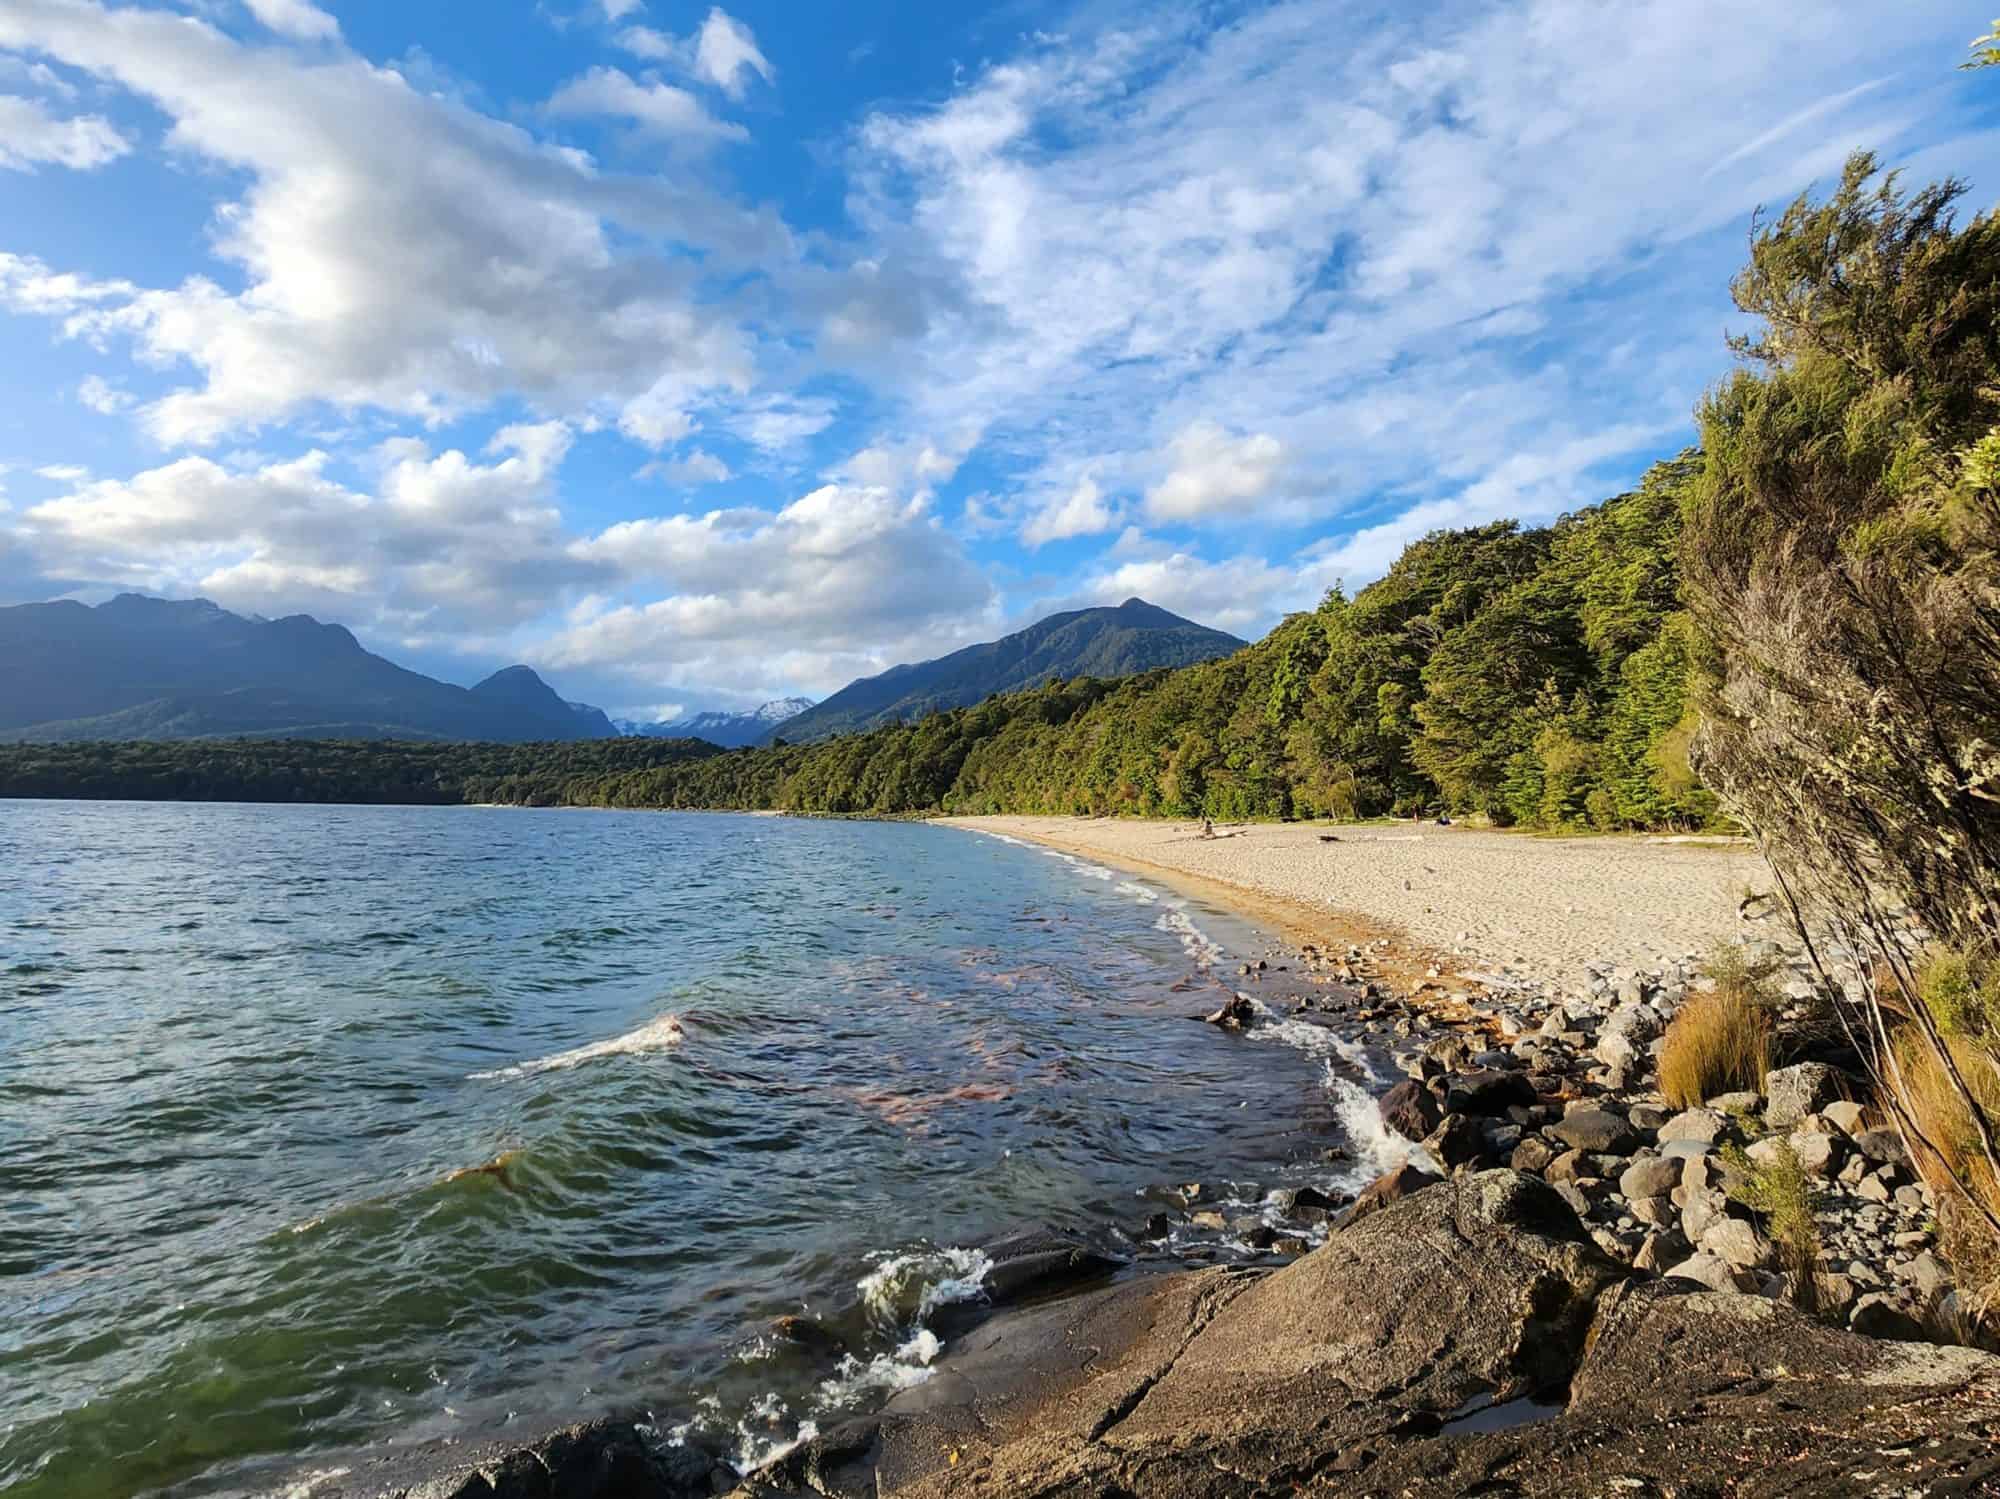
<point>30,137</point>
<point>1214,473</point>
<point>832,586</point>
<point>440,543</point>
<point>101,396</point>
<point>397,250</point>
<point>654,106</point>
<point>1081,512</point>
<point>299,19</point>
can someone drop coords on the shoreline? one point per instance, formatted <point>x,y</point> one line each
<point>1457,908</point>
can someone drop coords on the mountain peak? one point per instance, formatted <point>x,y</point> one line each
<point>1099,642</point>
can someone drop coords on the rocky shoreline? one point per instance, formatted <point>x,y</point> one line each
<point>1559,1294</point>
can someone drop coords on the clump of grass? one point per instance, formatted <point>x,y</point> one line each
<point>1963,995</point>
<point>1783,1194</point>
<point>1720,1042</point>
<point>1943,1114</point>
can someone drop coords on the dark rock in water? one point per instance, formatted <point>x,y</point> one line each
<point>1390,1187</point>
<point>597,1460</point>
<point>1307,1199</point>
<point>1410,1111</point>
<point>1488,1091</point>
<point>1235,1014</point>
<point>813,1336</point>
<point>1039,1262</point>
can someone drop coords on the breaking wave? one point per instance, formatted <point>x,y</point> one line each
<point>662,1034</point>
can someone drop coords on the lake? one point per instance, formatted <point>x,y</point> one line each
<point>329,1127</point>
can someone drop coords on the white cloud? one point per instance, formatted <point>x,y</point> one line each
<point>726,50</point>
<point>654,106</point>
<point>777,423</point>
<point>722,53</point>
<point>101,396</point>
<point>395,250</point>
<point>63,473</point>
<point>618,10</point>
<point>693,467</point>
<point>299,19</point>
<point>440,543</point>
<point>1081,512</point>
<point>839,583</point>
<point>30,137</point>
<point>1214,473</point>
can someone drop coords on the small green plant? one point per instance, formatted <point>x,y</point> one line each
<point>1782,1193</point>
<point>1962,995</point>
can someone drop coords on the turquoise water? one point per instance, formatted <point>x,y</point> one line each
<point>715,1069</point>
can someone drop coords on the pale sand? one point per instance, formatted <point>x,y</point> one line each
<point>1538,907</point>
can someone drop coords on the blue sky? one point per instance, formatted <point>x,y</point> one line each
<point>698,355</point>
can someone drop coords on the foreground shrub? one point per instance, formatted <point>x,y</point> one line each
<point>1783,1193</point>
<point>1841,560</point>
<point>1720,1042</point>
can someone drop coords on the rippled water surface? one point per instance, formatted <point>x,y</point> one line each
<point>327,1127</point>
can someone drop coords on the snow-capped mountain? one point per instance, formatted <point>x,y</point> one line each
<point>730,730</point>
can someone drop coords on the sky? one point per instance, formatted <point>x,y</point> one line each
<point>697,356</point>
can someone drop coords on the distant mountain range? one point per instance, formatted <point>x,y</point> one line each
<point>1135,636</point>
<point>730,730</point>
<point>143,668</point>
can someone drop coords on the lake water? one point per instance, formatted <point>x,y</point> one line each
<point>329,1127</point>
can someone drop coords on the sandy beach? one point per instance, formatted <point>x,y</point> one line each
<point>1473,900</point>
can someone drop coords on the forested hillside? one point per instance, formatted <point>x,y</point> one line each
<point>1538,676</point>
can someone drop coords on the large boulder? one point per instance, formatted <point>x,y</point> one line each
<point>1487,1090</point>
<point>1596,1131</point>
<point>1791,1093</point>
<point>1411,1110</point>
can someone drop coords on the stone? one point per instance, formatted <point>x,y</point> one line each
<point>1392,1186</point>
<point>1928,1275</point>
<point>1820,1154</point>
<point>1410,1111</point>
<point>1487,1091</point>
<point>1295,1200</point>
<point>1736,1241</point>
<point>1572,1194</point>
<point>1567,1167</point>
<point>1595,1129</point>
<point>1458,1141</point>
<point>1843,1115</point>
<point>1745,1102</point>
<point>1655,1212</point>
<point>1883,1146</point>
<point>1877,1315</point>
<point>1704,1126</point>
<point>1210,1219</point>
<point>813,1336</point>
<point>1798,1090</point>
<point>1038,1261</point>
<point>1659,1251</point>
<point>1648,1116</point>
<point>1872,1189</point>
<point>1236,1013</point>
<point>1836,1294</point>
<point>1650,1176</point>
<point>1532,1154</point>
<point>1714,1272</point>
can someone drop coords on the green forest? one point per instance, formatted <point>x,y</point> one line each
<point>1533,675</point>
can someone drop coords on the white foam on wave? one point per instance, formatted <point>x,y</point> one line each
<point>886,1373</point>
<point>1376,1147</point>
<point>1138,892</point>
<point>912,1285</point>
<point>662,1034</point>
<point>1199,946</point>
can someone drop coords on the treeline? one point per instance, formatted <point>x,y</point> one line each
<point>395,771</point>
<point>1535,675</point>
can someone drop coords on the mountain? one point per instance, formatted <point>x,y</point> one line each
<point>145,668</point>
<point>730,730</point>
<point>1135,636</point>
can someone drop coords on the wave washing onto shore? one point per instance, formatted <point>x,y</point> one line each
<point>899,1295</point>
<point>663,1034</point>
<point>1377,1148</point>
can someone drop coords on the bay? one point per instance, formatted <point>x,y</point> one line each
<point>324,1128</point>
